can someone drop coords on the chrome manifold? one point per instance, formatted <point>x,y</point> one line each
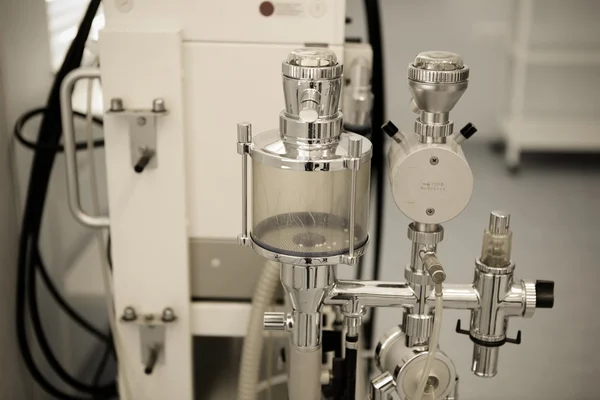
<point>493,297</point>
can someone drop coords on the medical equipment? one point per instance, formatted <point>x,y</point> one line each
<point>168,71</point>
<point>309,213</point>
<point>310,187</point>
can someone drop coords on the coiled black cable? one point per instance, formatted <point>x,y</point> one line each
<point>66,307</point>
<point>23,119</point>
<point>40,266</point>
<point>39,334</point>
<point>46,148</point>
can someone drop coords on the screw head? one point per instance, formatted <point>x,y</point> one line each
<point>129,314</point>
<point>168,315</point>
<point>141,121</point>
<point>430,211</point>
<point>434,160</point>
<point>158,106</point>
<point>116,104</point>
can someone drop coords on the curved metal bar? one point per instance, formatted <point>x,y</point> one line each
<point>66,111</point>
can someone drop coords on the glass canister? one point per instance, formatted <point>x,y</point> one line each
<point>310,180</point>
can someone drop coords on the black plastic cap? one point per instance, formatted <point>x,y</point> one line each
<point>544,294</point>
<point>353,39</point>
<point>390,128</point>
<point>468,130</point>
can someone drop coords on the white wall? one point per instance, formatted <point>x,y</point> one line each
<point>14,380</point>
<point>476,30</point>
<point>556,360</point>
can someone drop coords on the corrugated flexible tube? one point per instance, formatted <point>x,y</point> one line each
<point>253,343</point>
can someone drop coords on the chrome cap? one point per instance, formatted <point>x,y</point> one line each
<point>438,67</point>
<point>312,63</point>
<point>499,222</point>
<point>437,80</point>
<point>312,86</point>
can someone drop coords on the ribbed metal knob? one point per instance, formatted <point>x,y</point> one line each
<point>438,67</point>
<point>277,321</point>
<point>438,61</point>
<point>499,222</point>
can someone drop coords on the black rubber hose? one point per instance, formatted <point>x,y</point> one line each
<point>38,331</point>
<point>351,364</point>
<point>70,311</point>
<point>23,119</point>
<point>48,140</point>
<point>102,365</point>
<point>378,118</point>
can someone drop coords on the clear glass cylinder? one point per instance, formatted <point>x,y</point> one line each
<point>496,248</point>
<point>307,213</point>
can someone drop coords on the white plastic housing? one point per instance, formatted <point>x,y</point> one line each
<point>431,183</point>
<point>231,71</point>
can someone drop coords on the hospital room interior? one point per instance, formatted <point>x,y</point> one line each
<point>299,199</point>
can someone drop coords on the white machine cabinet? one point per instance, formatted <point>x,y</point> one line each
<point>203,66</point>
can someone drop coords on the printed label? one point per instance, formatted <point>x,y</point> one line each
<point>289,9</point>
<point>432,186</point>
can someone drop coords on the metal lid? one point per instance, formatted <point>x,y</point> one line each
<point>269,148</point>
<point>312,63</point>
<point>438,67</point>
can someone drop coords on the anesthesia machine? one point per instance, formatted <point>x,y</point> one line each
<point>309,213</point>
<point>176,76</point>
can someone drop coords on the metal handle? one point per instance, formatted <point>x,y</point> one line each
<point>66,111</point>
<point>244,139</point>
<point>354,150</point>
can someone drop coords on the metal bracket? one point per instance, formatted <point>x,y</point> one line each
<point>354,151</point>
<point>142,132</point>
<point>383,387</point>
<point>244,142</point>
<point>152,335</point>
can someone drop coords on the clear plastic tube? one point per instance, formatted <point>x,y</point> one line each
<point>433,344</point>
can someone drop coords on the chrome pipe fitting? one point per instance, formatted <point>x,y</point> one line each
<point>306,288</point>
<point>499,297</point>
<point>404,365</point>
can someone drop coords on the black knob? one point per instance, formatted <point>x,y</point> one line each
<point>544,294</point>
<point>353,39</point>
<point>468,130</point>
<point>143,162</point>
<point>390,128</point>
<point>152,359</point>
